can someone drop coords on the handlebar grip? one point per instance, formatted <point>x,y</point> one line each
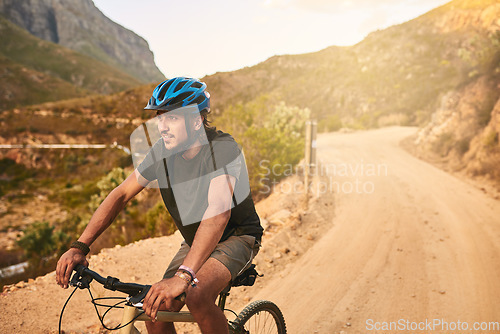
<point>79,268</point>
<point>79,279</point>
<point>140,297</point>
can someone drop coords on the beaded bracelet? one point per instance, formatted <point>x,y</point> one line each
<point>187,277</point>
<point>191,273</point>
<point>183,276</point>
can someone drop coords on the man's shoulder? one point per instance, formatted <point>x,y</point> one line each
<point>220,136</point>
<point>222,149</point>
<point>224,142</point>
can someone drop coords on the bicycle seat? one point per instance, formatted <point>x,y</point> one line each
<point>247,278</point>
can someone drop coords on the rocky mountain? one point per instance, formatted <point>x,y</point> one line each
<point>79,25</point>
<point>34,71</point>
<point>463,133</point>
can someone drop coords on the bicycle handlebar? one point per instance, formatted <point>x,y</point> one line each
<point>137,292</point>
<point>110,283</point>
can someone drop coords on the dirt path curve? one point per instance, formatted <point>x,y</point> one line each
<point>418,244</point>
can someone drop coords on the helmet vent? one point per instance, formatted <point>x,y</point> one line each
<point>196,85</point>
<point>180,98</point>
<point>199,99</point>
<point>163,91</point>
<point>179,86</point>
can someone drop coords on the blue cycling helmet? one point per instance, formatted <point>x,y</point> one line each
<point>179,92</point>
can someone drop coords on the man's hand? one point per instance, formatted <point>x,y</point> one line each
<point>163,292</point>
<point>66,263</point>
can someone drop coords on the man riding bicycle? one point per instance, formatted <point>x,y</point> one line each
<point>203,182</point>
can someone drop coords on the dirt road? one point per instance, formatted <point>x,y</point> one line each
<point>399,240</point>
<point>417,244</point>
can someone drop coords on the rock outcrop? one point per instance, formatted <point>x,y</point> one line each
<point>464,129</point>
<point>79,25</point>
<point>466,14</point>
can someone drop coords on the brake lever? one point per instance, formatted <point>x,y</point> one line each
<point>137,299</point>
<point>82,282</point>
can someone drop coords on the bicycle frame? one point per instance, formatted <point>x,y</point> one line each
<point>130,312</point>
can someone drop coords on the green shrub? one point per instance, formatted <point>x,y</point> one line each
<point>72,161</point>
<point>12,175</point>
<point>106,185</point>
<point>158,222</point>
<point>267,132</point>
<point>40,240</point>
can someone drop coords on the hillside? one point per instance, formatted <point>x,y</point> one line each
<point>80,26</point>
<point>35,71</point>
<point>463,133</point>
<point>399,75</point>
<point>394,76</point>
<point>440,71</point>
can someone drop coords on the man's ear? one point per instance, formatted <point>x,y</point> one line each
<point>198,122</point>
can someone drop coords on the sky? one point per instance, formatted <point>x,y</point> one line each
<point>200,37</point>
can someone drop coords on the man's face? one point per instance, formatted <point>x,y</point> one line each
<point>172,128</point>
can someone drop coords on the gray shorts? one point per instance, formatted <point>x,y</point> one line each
<point>236,254</point>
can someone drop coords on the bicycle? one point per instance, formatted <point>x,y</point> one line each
<point>260,316</point>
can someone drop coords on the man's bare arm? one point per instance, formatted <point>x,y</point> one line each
<point>102,218</point>
<point>213,223</point>
<point>111,207</point>
<point>207,236</point>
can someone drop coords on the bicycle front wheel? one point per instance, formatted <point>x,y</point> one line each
<point>260,316</point>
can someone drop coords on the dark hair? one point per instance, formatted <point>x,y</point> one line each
<point>206,122</point>
<point>210,131</point>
